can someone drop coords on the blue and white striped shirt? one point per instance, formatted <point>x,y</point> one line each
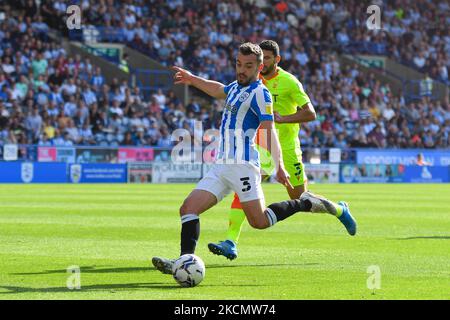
<point>245,108</point>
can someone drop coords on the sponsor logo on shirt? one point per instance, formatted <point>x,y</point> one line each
<point>232,109</point>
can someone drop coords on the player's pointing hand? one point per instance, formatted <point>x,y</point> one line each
<point>182,76</point>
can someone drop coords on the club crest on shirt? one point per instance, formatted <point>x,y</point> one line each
<point>244,96</point>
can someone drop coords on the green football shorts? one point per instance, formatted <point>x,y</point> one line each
<point>292,162</point>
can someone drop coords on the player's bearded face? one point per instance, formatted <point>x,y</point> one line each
<point>247,69</point>
<point>269,62</point>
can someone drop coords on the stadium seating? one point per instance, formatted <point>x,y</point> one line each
<point>50,98</point>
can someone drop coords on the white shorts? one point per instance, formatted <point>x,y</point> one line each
<point>244,179</point>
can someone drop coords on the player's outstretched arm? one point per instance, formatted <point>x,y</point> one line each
<point>304,114</point>
<point>213,88</point>
<point>273,145</point>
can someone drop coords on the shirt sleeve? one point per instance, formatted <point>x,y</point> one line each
<point>261,104</point>
<point>298,94</point>
<point>228,87</point>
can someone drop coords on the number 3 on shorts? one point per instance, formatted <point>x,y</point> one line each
<point>298,170</point>
<point>246,184</point>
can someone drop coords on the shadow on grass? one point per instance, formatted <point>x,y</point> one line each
<point>219,266</point>
<point>93,269</point>
<point>130,286</point>
<point>99,287</point>
<point>424,237</point>
<point>108,287</point>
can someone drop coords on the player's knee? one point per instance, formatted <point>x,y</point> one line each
<point>297,192</point>
<point>258,223</point>
<point>185,208</point>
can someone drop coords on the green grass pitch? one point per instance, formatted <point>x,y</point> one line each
<point>112,231</point>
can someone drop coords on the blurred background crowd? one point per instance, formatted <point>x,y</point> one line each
<point>50,98</point>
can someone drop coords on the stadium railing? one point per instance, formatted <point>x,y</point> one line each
<point>367,47</point>
<point>113,57</point>
<point>97,34</point>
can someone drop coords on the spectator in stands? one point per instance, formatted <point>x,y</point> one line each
<point>4,115</point>
<point>73,133</point>
<point>33,124</point>
<point>48,129</point>
<point>39,65</point>
<point>86,135</point>
<point>44,141</point>
<point>123,65</point>
<point>165,140</point>
<point>128,140</point>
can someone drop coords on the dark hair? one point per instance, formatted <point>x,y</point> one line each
<point>251,48</point>
<point>270,45</point>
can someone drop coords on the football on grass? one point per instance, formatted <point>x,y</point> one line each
<point>188,270</point>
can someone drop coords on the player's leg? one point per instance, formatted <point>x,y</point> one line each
<point>209,191</point>
<point>340,210</point>
<point>296,191</point>
<point>319,204</point>
<point>228,247</point>
<point>236,215</point>
<point>261,217</point>
<point>246,182</point>
<point>293,164</point>
<point>196,203</point>
<point>292,160</point>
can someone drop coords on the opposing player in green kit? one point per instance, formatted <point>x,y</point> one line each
<point>291,106</point>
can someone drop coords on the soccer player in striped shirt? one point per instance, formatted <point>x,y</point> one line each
<point>248,108</point>
<point>292,106</point>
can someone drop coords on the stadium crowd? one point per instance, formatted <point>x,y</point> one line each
<point>202,34</point>
<point>50,98</point>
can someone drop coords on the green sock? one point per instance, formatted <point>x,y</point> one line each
<point>236,218</point>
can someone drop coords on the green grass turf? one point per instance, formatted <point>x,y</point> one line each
<point>112,231</point>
